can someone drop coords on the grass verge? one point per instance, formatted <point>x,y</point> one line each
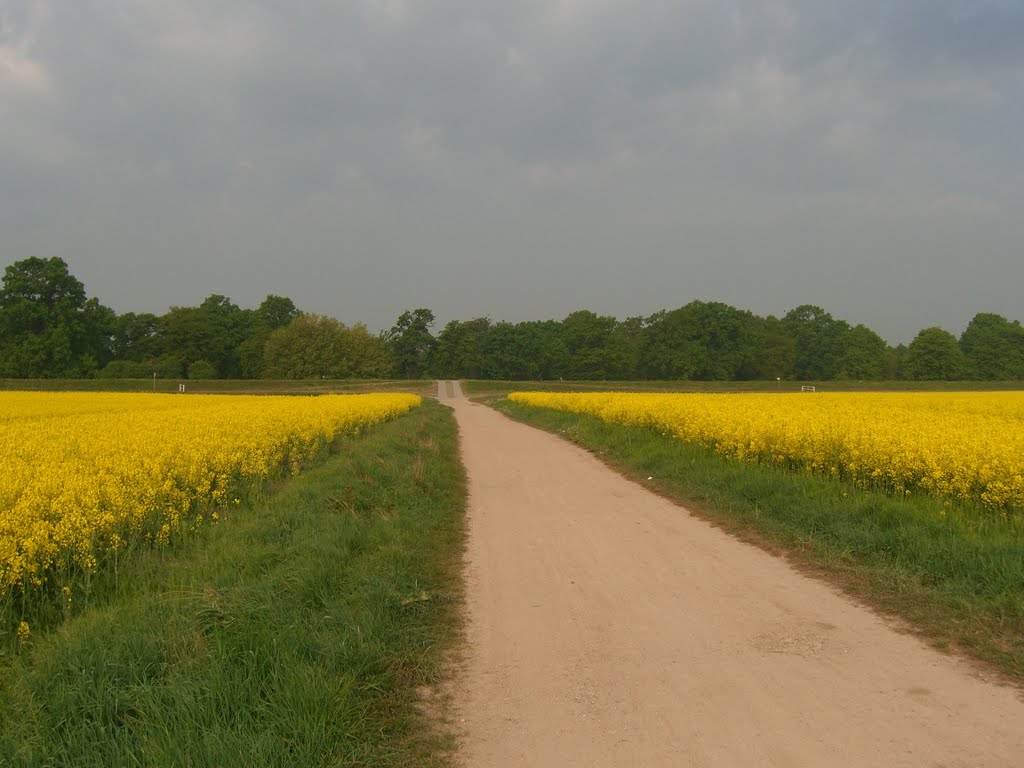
<point>297,632</point>
<point>956,575</point>
<point>224,386</point>
<point>484,387</point>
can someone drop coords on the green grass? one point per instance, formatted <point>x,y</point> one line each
<point>224,386</point>
<point>955,574</point>
<point>482,387</point>
<point>296,632</point>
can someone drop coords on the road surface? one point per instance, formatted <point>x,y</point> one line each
<point>608,627</point>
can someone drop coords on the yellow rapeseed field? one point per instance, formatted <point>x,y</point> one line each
<point>967,446</point>
<point>86,475</point>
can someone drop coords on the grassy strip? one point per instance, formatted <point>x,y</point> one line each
<point>482,387</point>
<point>955,574</point>
<point>294,633</point>
<point>224,386</point>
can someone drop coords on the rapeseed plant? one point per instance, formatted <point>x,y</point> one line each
<point>965,446</point>
<point>88,476</point>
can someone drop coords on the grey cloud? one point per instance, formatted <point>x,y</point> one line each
<point>366,156</point>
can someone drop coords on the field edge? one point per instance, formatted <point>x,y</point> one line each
<point>307,630</point>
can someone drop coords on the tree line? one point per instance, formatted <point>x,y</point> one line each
<point>49,328</point>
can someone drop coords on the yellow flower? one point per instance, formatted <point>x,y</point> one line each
<point>967,446</point>
<point>89,474</point>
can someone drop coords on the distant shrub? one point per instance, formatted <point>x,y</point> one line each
<point>202,369</point>
<point>124,369</point>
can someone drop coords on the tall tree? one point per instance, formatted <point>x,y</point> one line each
<point>134,336</point>
<point>709,341</point>
<point>934,355</point>
<point>774,351</point>
<point>864,355</point>
<point>276,312</point>
<point>213,332</point>
<point>314,346</point>
<point>819,341</point>
<point>532,350</point>
<point>459,350</point>
<point>667,350</point>
<point>994,347</point>
<point>48,328</point>
<point>596,351</point>
<point>411,343</point>
<point>523,351</point>
<point>273,312</point>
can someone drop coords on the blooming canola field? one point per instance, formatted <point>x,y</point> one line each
<point>964,446</point>
<point>86,475</point>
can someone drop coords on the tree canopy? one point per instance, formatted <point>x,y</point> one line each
<point>315,346</point>
<point>994,347</point>
<point>411,343</point>
<point>49,327</point>
<point>934,355</point>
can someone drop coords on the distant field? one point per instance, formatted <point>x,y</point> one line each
<point>482,387</point>
<point>965,446</point>
<point>223,386</point>
<point>427,387</point>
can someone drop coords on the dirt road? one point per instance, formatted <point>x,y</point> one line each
<point>608,627</point>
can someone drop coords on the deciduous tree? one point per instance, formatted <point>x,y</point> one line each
<point>934,355</point>
<point>819,341</point>
<point>994,347</point>
<point>411,343</point>
<point>314,346</point>
<point>48,328</point>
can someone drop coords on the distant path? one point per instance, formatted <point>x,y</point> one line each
<point>608,627</point>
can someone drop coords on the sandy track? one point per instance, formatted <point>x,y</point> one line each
<point>608,627</point>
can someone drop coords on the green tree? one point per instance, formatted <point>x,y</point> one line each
<point>532,350</point>
<point>507,352</point>
<point>276,312</point>
<point>48,328</point>
<point>774,351</point>
<point>819,341</point>
<point>864,355</point>
<point>125,369</point>
<point>523,351</point>
<point>596,351</point>
<point>934,355</point>
<point>411,343</point>
<point>631,330</point>
<point>709,341</point>
<point>134,336</point>
<point>314,346</point>
<point>994,347</point>
<point>459,350</point>
<point>667,350</point>
<point>727,338</point>
<point>213,332</point>
<point>897,356</point>
<point>202,369</point>
<point>368,355</point>
<point>273,313</point>
<point>188,334</point>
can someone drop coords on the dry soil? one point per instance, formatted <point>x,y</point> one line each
<point>608,627</point>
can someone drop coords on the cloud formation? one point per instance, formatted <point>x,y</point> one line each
<point>521,159</point>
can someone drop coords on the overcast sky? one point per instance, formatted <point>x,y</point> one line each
<point>522,159</point>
